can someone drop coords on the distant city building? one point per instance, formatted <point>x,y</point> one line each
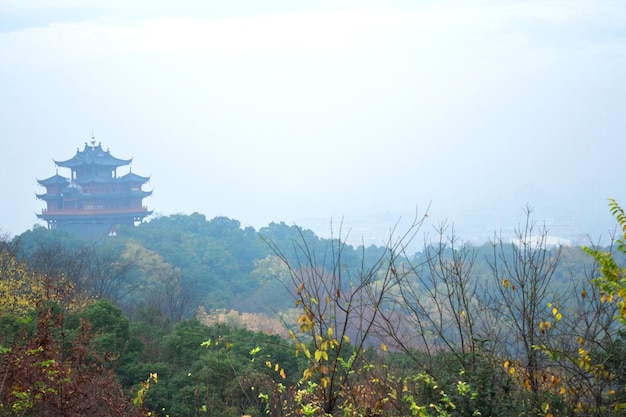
<point>93,200</point>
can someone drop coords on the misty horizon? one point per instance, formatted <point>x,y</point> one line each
<point>310,113</point>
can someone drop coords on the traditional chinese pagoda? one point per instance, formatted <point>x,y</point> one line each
<point>94,200</point>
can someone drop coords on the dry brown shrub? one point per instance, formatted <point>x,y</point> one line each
<point>257,322</point>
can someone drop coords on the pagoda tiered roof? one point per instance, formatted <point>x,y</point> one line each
<point>128,178</point>
<point>132,177</point>
<point>93,155</point>
<point>55,179</point>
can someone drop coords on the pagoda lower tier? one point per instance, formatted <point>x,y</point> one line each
<point>118,216</point>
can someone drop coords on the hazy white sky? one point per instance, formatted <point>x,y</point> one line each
<point>305,111</point>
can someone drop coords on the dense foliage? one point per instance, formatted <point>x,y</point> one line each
<point>185,316</point>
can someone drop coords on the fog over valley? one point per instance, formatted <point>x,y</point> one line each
<point>318,112</point>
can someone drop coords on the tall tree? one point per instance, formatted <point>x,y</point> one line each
<point>339,306</point>
<point>523,272</point>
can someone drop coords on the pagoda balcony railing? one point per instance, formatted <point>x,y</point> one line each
<point>71,212</point>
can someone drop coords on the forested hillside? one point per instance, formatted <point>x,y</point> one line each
<point>185,316</point>
<point>181,262</point>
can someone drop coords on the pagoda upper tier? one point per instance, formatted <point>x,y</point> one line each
<point>94,199</point>
<point>93,160</point>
